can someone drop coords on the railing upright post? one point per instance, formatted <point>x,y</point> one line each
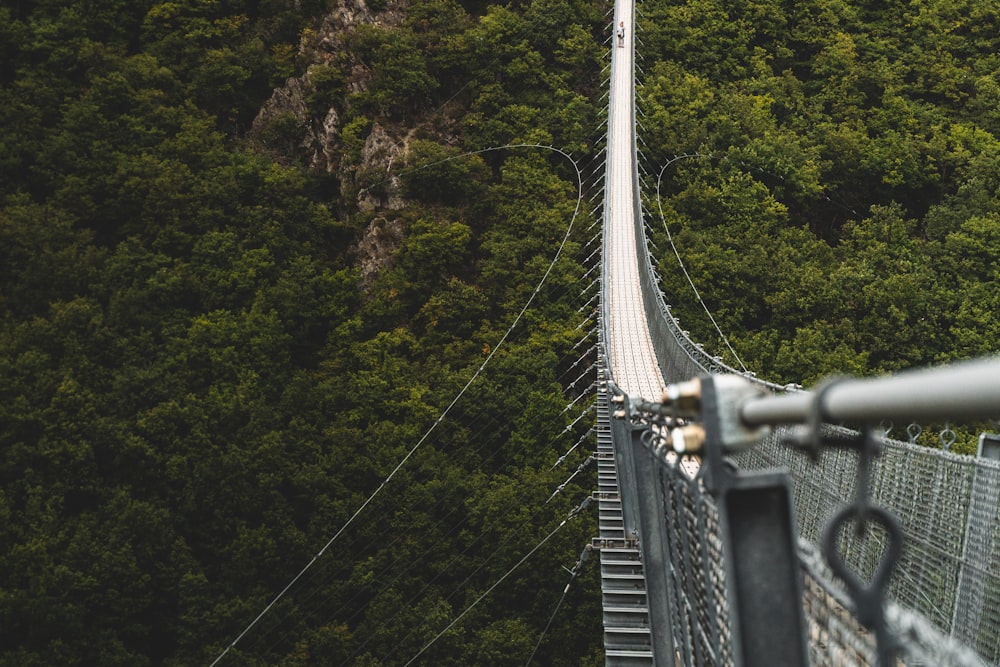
<point>757,527</point>
<point>653,546</point>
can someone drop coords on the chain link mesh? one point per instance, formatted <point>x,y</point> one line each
<point>938,617</point>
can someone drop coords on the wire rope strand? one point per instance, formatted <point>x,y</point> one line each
<point>459,556</point>
<point>482,445</point>
<point>413,563</point>
<point>549,623</point>
<point>447,410</point>
<point>499,581</point>
<point>680,261</point>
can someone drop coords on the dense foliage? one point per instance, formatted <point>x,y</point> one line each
<point>197,389</point>
<point>849,219</point>
<point>199,385</point>
<point>861,153</point>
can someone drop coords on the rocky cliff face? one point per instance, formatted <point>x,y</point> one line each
<point>323,48</point>
<point>317,132</point>
<point>377,246</point>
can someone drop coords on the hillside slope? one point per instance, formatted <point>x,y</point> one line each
<point>222,322</point>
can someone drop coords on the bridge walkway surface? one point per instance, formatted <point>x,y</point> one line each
<point>632,361</point>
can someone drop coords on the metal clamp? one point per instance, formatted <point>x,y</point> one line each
<point>808,437</point>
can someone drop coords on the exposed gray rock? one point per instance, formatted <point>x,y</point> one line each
<point>320,137</point>
<point>368,178</point>
<point>289,98</point>
<point>342,17</point>
<point>326,141</point>
<point>377,156</point>
<point>377,246</point>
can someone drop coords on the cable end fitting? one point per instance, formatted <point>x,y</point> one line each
<point>683,398</point>
<point>689,439</point>
<point>731,392</point>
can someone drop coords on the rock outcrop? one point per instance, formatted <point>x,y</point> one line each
<point>366,179</point>
<point>320,129</point>
<point>377,246</point>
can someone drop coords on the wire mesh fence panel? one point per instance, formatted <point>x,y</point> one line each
<point>949,571</point>
<point>698,604</point>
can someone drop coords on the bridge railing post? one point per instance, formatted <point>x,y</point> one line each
<point>763,577</point>
<point>980,527</point>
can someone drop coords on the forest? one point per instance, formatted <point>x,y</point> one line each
<point>250,258</point>
<point>840,210</point>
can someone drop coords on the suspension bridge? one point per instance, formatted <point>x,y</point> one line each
<point>706,560</point>
<point>704,566</point>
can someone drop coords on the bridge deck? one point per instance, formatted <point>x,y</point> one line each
<point>632,361</point>
<point>630,347</point>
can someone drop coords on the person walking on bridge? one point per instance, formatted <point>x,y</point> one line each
<point>621,34</point>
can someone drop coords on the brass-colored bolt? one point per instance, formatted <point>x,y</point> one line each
<point>684,397</point>
<point>688,439</point>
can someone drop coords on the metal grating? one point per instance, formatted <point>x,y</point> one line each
<point>949,572</point>
<point>627,640</point>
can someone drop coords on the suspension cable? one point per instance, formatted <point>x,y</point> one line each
<point>680,261</point>
<point>451,405</point>
<point>499,581</point>
<point>572,576</point>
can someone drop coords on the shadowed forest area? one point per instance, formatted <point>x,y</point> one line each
<point>199,384</point>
